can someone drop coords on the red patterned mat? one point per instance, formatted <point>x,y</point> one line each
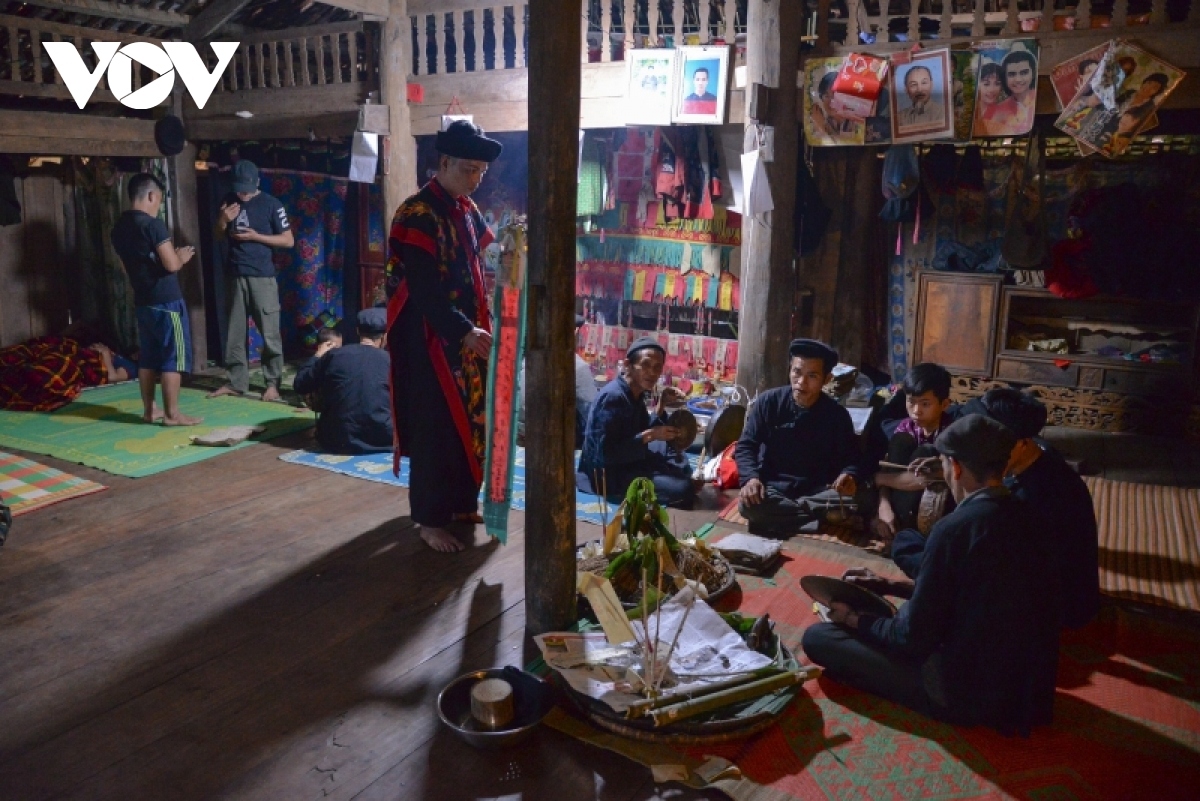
<point>1127,720</point>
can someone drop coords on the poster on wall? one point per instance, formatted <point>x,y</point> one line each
<point>823,126</point>
<point>1006,97</point>
<point>702,85</point>
<point>650,87</point>
<point>1074,76</point>
<point>922,100</point>
<point>1120,101</point>
<point>965,65</point>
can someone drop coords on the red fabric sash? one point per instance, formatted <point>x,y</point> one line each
<point>441,369</point>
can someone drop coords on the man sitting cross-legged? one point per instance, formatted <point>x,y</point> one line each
<point>352,385</point>
<point>977,643</point>
<point>622,442</point>
<point>798,451</point>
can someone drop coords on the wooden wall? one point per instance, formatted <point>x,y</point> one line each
<point>39,277</point>
<point>843,283</point>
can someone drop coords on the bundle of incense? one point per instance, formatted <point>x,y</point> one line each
<point>642,708</point>
<point>746,692</point>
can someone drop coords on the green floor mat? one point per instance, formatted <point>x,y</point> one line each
<point>103,428</point>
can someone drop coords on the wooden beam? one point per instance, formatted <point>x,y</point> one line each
<point>75,126</point>
<point>326,126</point>
<point>214,15</point>
<point>122,11</point>
<point>768,254</point>
<point>286,34</point>
<point>400,178</point>
<point>185,227</point>
<point>373,8</point>
<point>43,145</point>
<point>554,83</point>
<point>285,102</point>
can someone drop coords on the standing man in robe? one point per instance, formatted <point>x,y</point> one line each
<point>439,336</point>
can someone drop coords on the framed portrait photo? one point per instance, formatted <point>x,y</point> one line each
<point>921,98</point>
<point>701,86</point>
<point>650,86</point>
<point>1006,98</point>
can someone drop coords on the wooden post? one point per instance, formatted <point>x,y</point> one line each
<point>184,215</point>
<point>773,33</point>
<point>554,83</point>
<point>394,65</point>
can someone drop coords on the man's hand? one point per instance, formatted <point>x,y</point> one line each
<point>671,396</point>
<point>753,492</point>
<point>867,579</point>
<point>845,484</point>
<point>843,615</point>
<point>660,433</point>
<point>907,481</point>
<point>185,253</point>
<point>245,235</point>
<point>323,348</point>
<point>230,212</point>
<point>479,342</point>
<point>884,524</point>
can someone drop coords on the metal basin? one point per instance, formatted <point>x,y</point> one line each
<point>532,700</point>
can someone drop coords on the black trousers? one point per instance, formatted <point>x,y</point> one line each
<point>848,660</point>
<point>779,514</point>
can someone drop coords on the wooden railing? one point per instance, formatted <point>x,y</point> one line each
<point>471,37</point>
<point>316,56</point>
<point>624,24</point>
<point>960,19</point>
<point>26,68</point>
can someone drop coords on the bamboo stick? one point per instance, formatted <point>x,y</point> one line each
<point>641,708</point>
<point>687,709</point>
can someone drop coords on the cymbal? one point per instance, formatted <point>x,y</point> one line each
<point>827,589</point>
<point>685,421</point>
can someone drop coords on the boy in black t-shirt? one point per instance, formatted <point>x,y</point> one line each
<point>152,264</point>
<point>254,223</point>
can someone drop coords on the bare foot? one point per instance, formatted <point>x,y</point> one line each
<point>223,391</point>
<point>182,420</point>
<point>272,394</point>
<point>439,539</point>
<point>156,415</point>
<point>468,517</point>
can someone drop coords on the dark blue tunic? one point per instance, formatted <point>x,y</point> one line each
<point>612,446</point>
<point>1061,510</point>
<point>797,451</point>
<point>353,384</point>
<point>985,606</point>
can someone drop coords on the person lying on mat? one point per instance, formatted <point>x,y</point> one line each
<point>622,442</point>
<point>977,642</point>
<point>926,399</point>
<point>47,373</point>
<point>352,384</point>
<point>153,263</point>
<point>798,454</point>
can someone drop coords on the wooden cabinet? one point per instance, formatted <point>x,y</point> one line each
<point>1110,364</point>
<point>956,321</point>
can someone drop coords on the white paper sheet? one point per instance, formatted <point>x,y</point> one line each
<point>364,156</point>
<point>757,189</point>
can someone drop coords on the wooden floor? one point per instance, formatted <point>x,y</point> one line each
<point>247,628</point>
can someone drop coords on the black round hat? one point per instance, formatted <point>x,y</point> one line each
<point>169,135</point>
<point>465,140</point>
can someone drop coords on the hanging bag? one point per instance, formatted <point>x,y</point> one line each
<point>1025,246</point>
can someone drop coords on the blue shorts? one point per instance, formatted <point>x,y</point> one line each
<point>165,338</point>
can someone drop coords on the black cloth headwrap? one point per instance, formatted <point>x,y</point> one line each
<point>1018,411</point>
<point>978,438</point>
<point>642,343</point>
<point>464,140</point>
<point>169,136</point>
<point>813,349</point>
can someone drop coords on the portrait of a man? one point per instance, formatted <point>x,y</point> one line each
<point>701,83</point>
<point>701,100</point>
<point>921,98</point>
